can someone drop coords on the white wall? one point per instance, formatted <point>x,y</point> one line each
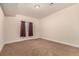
<point>62,26</point>
<point>12,28</point>
<point>1,28</point>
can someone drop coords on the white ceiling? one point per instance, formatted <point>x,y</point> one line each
<point>12,9</point>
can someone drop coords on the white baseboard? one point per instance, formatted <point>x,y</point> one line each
<point>73,45</point>
<point>21,39</point>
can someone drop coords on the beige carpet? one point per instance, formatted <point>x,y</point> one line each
<point>38,47</point>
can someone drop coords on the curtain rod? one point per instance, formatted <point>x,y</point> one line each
<point>26,22</point>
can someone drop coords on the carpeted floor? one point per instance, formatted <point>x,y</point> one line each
<point>38,47</point>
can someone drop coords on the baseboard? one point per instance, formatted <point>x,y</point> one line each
<point>73,45</point>
<point>66,43</point>
<point>19,40</point>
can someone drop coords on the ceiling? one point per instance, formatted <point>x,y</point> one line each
<point>12,9</point>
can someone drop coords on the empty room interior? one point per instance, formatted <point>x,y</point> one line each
<point>39,29</point>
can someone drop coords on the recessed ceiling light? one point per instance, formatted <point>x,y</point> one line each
<point>37,6</point>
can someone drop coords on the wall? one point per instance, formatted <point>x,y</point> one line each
<point>1,28</point>
<point>12,28</point>
<point>62,26</point>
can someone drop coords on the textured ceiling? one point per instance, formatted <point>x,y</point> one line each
<point>12,9</point>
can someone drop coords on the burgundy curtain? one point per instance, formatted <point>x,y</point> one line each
<point>22,29</point>
<point>30,31</point>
